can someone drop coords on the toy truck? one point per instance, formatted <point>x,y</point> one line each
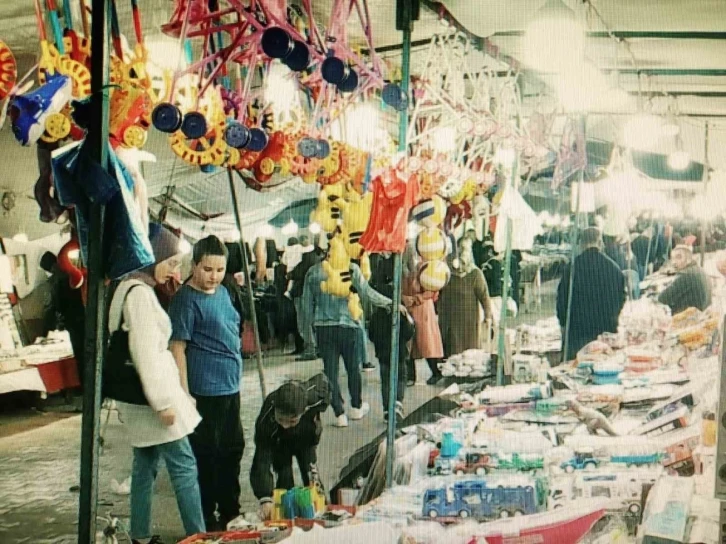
<point>621,490</point>
<point>582,460</point>
<point>443,465</point>
<point>474,463</point>
<point>636,460</point>
<point>520,462</point>
<point>478,500</point>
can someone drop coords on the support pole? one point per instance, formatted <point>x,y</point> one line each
<point>96,318</point>
<point>248,285</point>
<point>397,261</point>
<point>706,167</point>
<point>506,279</point>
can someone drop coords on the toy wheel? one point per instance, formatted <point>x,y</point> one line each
<point>569,469</point>
<point>459,472</point>
<point>237,135</point>
<point>556,506</point>
<point>8,70</point>
<point>267,166</point>
<point>194,125</point>
<point>308,148</point>
<point>481,471</point>
<point>258,140</point>
<point>334,70</point>
<point>394,96</point>
<point>285,167</point>
<point>463,514</point>
<point>135,136</point>
<point>433,514</point>
<point>349,84</point>
<point>504,514</point>
<point>518,513</point>
<point>634,508</point>
<point>322,149</point>
<point>277,43</point>
<point>299,58</point>
<point>166,118</point>
<point>589,466</point>
<point>57,126</point>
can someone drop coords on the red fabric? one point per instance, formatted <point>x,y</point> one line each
<point>393,199</point>
<point>59,375</point>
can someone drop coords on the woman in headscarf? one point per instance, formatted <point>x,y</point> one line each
<point>160,429</point>
<point>459,303</point>
<point>427,343</point>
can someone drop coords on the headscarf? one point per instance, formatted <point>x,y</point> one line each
<point>165,245</point>
<point>464,259</point>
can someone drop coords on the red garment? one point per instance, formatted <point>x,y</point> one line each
<point>393,199</point>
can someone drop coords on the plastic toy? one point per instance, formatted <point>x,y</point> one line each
<point>8,71</point>
<point>328,212</point>
<point>637,460</point>
<point>29,112</point>
<point>474,463</point>
<point>520,462</point>
<point>593,419</point>
<point>299,502</point>
<point>356,212</point>
<point>339,280</point>
<point>582,460</point>
<point>670,421</point>
<point>477,499</point>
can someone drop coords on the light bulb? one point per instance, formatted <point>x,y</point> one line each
<point>555,40</point>
<point>21,237</point>
<point>290,229</point>
<point>679,160</point>
<point>185,247</point>
<point>314,228</point>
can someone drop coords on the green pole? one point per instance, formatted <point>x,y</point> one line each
<point>96,318</point>
<point>397,262</point>
<point>506,279</point>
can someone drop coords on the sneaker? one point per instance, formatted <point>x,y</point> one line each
<point>360,413</point>
<point>368,367</point>
<point>341,421</point>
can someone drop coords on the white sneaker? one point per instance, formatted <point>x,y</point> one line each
<point>360,413</point>
<point>341,421</point>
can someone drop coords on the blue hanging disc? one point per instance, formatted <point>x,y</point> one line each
<point>299,58</point>
<point>277,43</point>
<point>194,125</point>
<point>349,84</point>
<point>166,118</point>
<point>237,135</point>
<point>334,70</point>
<point>258,140</point>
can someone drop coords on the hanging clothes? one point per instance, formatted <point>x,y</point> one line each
<point>393,198</point>
<point>80,181</point>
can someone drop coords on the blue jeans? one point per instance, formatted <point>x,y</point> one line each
<point>334,342</point>
<point>182,468</point>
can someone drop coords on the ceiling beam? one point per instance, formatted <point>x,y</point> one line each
<point>700,94</point>
<point>708,72</point>
<point>634,34</point>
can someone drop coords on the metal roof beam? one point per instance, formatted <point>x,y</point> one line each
<point>708,72</point>
<point>635,34</point>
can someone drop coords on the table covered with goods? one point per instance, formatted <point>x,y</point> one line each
<point>616,446</point>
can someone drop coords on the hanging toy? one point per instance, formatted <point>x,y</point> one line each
<point>434,275</point>
<point>29,112</point>
<point>328,212</point>
<point>8,71</point>
<point>431,244</point>
<point>76,275</point>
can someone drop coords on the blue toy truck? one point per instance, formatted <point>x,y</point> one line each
<point>636,460</point>
<point>476,499</point>
<point>582,460</point>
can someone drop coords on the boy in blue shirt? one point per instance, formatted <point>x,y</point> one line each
<point>206,346</point>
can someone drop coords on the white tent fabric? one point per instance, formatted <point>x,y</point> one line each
<point>525,223</point>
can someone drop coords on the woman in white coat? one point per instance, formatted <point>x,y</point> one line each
<point>159,430</point>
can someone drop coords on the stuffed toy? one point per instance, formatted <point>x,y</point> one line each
<point>434,275</point>
<point>431,244</point>
<point>356,211</point>
<point>328,211</point>
<point>337,270</point>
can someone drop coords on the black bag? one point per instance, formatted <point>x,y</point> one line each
<point>120,380</point>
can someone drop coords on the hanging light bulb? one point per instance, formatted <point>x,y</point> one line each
<point>185,248</point>
<point>290,228</point>
<point>555,39</point>
<point>314,228</point>
<point>679,160</point>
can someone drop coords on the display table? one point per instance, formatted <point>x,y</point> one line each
<point>48,377</point>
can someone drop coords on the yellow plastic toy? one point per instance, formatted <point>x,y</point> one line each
<point>328,211</point>
<point>337,270</point>
<point>356,215</point>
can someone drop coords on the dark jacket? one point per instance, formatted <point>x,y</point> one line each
<point>270,437</point>
<point>643,250</point>
<point>691,289</point>
<point>598,296</point>
<point>297,274</point>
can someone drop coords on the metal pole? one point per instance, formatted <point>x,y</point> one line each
<point>706,166</point>
<point>397,262</point>
<point>97,140</point>
<point>574,241</point>
<point>506,280</point>
<point>248,284</point>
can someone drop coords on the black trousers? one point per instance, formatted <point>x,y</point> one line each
<point>218,444</point>
<point>307,458</point>
<point>384,365</point>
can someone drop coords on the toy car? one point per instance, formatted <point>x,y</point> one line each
<point>474,463</point>
<point>582,460</point>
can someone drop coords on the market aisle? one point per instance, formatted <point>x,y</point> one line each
<point>39,467</point>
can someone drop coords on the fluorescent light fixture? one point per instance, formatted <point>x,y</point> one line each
<point>555,39</point>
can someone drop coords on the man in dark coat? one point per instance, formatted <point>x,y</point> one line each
<point>598,295</point>
<point>691,289</point>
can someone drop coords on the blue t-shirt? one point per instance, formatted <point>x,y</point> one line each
<point>209,325</point>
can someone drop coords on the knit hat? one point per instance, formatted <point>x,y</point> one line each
<point>291,399</point>
<point>164,242</point>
